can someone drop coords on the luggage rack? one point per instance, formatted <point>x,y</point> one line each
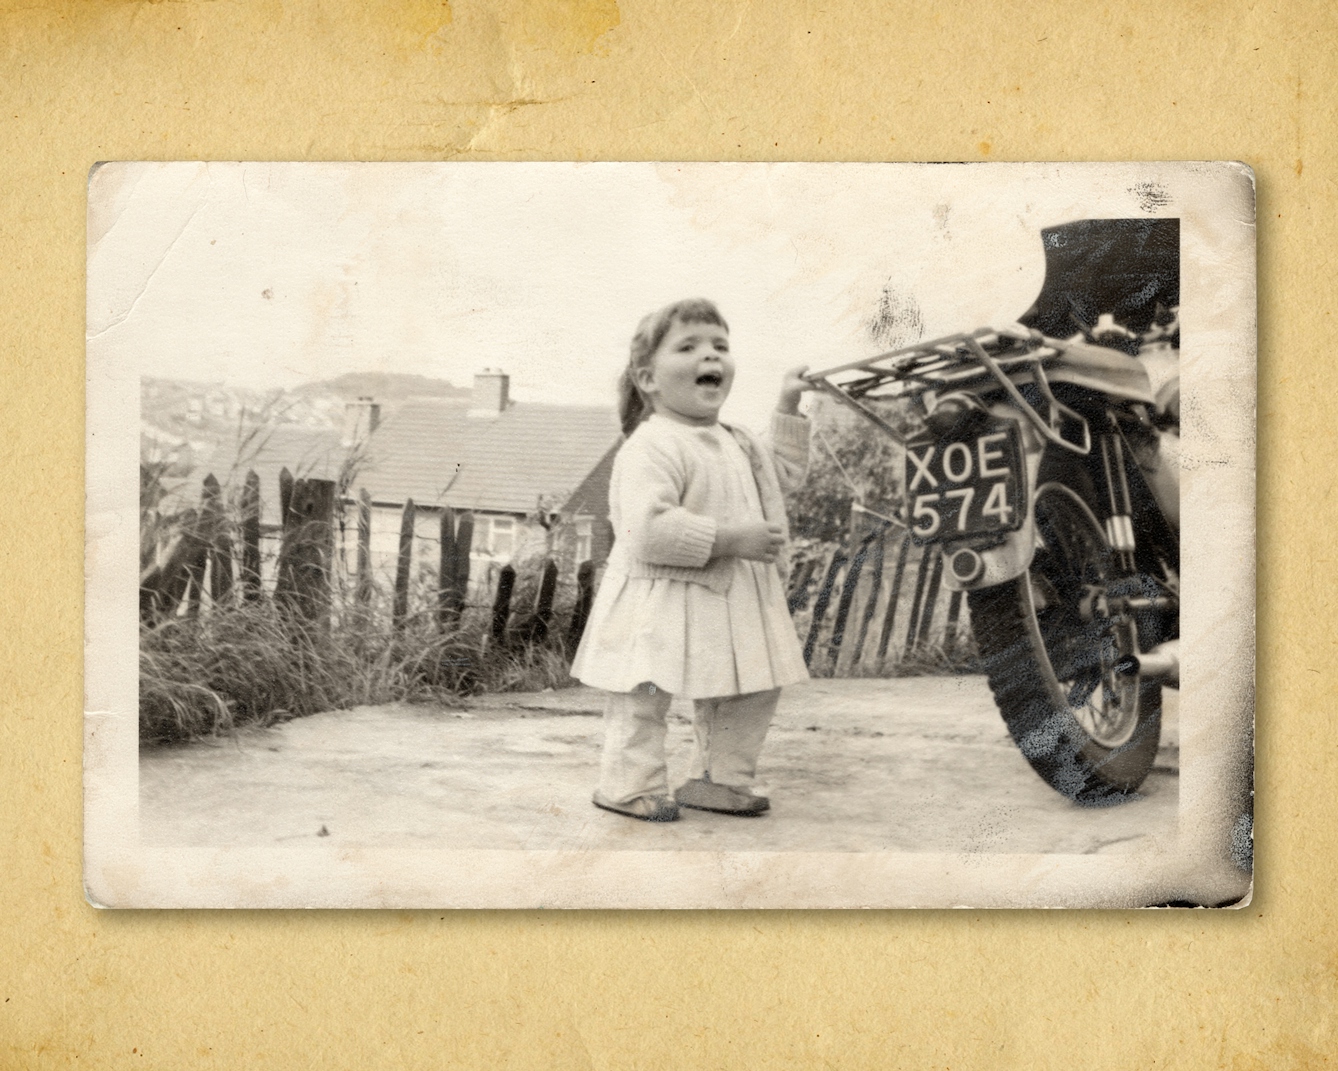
<point>954,363</point>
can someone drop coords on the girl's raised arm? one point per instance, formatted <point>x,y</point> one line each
<point>793,385</point>
<point>790,431</point>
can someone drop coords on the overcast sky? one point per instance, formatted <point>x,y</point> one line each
<point>269,275</point>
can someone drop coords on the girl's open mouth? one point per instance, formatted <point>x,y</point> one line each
<point>710,379</point>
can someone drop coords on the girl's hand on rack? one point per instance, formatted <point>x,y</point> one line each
<point>758,541</point>
<point>792,386</point>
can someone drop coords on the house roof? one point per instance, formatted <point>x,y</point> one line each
<point>438,454</point>
<point>307,453</point>
<point>592,496</point>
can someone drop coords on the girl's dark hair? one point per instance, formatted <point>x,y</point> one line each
<point>632,405</point>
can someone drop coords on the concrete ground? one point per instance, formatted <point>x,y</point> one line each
<point>915,764</point>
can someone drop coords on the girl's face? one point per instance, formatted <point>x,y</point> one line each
<point>689,375</point>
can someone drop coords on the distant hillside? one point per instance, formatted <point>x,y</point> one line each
<point>388,388</point>
<point>184,419</point>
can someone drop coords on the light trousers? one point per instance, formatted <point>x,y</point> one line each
<point>729,732</point>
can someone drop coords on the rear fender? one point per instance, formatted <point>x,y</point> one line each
<point>1011,557</point>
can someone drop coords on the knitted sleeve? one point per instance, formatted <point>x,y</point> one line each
<point>789,446</point>
<point>652,478</point>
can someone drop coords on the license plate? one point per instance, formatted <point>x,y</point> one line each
<point>966,483</point>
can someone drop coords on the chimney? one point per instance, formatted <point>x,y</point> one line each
<point>491,389</point>
<point>360,420</point>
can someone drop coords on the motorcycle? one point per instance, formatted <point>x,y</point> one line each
<point>1046,475</point>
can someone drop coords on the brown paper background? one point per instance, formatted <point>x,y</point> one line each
<point>594,79</point>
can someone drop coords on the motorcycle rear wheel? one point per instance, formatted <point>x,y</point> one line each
<point>1053,656</point>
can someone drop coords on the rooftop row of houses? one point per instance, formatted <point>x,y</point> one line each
<point>527,470</point>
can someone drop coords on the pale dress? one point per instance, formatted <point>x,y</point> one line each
<point>687,639</point>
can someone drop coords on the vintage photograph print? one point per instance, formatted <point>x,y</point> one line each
<point>670,535</point>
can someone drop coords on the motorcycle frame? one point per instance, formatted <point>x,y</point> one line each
<point>996,364</point>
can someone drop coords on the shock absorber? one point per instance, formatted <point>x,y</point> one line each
<point>1119,523</point>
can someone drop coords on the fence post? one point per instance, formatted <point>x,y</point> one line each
<point>543,606</point>
<point>798,598</point>
<point>954,615</point>
<point>917,603</point>
<point>501,606</point>
<point>447,607</point>
<point>215,528</point>
<point>285,495</point>
<point>847,596</point>
<point>820,607</point>
<point>402,563</point>
<point>363,588</point>
<point>875,589</point>
<point>250,506</point>
<point>162,588</point>
<point>585,594</point>
<point>930,599</point>
<point>893,597</point>
<point>197,556</point>
<point>308,545</point>
<point>464,542</point>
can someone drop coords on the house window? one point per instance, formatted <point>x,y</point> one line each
<point>495,536</point>
<point>502,543</point>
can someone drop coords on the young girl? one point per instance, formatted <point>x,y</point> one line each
<point>693,599</point>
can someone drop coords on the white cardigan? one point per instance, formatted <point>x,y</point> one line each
<point>667,498</point>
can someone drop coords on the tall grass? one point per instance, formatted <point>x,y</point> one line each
<point>240,662</point>
<point>254,664</point>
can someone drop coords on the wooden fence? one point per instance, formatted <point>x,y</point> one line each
<point>201,566</point>
<point>867,609</point>
<point>860,611</point>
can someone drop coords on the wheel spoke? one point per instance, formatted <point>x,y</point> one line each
<point>1080,637</point>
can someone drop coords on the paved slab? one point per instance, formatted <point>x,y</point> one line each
<point>916,764</point>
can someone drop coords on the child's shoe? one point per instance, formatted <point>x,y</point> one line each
<point>704,795</point>
<point>647,808</point>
